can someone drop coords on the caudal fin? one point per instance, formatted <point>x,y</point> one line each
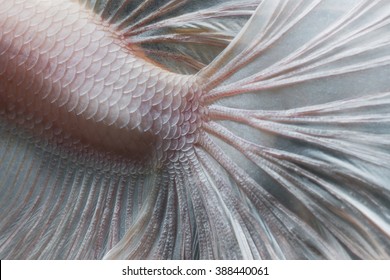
<point>298,129</point>
<point>182,36</point>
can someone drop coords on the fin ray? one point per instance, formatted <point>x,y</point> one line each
<point>313,137</point>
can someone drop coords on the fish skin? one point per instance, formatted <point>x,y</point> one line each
<point>65,68</point>
<point>93,99</point>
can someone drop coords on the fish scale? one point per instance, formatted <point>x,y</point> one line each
<point>113,77</point>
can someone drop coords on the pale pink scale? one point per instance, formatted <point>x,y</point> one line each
<point>182,141</point>
<point>77,82</point>
<point>21,29</point>
<point>123,119</point>
<point>92,109</point>
<point>84,64</point>
<point>46,89</point>
<point>38,62</point>
<point>177,102</point>
<point>135,102</point>
<point>144,78</point>
<point>185,128</point>
<point>190,139</point>
<point>88,29</point>
<point>66,99</point>
<point>110,58</point>
<point>76,59</point>
<point>145,107</point>
<point>158,98</point>
<point>100,53</point>
<point>174,143</point>
<point>167,101</point>
<point>38,84</point>
<point>49,12</point>
<point>92,48</point>
<point>135,119</point>
<point>82,43</point>
<point>102,113</point>
<point>43,26</point>
<point>15,12</point>
<point>157,125</point>
<point>152,81</point>
<point>187,114</point>
<point>16,47</point>
<point>130,87</point>
<point>136,71</point>
<point>156,111</point>
<point>82,104</point>
<point>93,68</point>
<point>62,16</point>
<point>56,50</point>
<point>52,32</point>
<point>147,122</point>
<point>172,132</point>
<point>139,90</point>
<point>194,117</point>
<point>11,72</point>
<point>181,118</point>
<point>114,76</point>
<point>54,94</point>
<point>121,82</point>
<point>108,41</point>
<point>5,44</point>
<point>119,62</point>
<point>124,101</point>
<point>59,72</point>
<point>165,144</point>
<point>113,115</point>
<point>193,128</point>
<point>64,33</point>
<point>175,117</point>
<point>105,95</point>
<point>6,7</point>
<point>166,115</point>
<point>87,85</point>
<point>73,38</point>
<point>148,94</point>
<point>66,54</point>
<point>115,96</point>
<point>176,133</point>
<point>69,77</point>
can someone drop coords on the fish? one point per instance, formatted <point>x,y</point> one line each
<point>145,129</point>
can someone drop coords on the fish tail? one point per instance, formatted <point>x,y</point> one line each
<point>295,144</point>
<point>291,159</point>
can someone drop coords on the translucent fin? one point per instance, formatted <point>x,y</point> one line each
<point>182,36</point>
<point>57,205</point>
<point>299,120</point>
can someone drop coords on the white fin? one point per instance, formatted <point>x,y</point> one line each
<point>61,205</point>
<point>299,119</point>
<point>182,36</point>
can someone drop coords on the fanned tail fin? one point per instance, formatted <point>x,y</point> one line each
<point>61,205</point>
<point>182,36</point>
<point>297,137</point>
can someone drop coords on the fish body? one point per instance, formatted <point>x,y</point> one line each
<point>65,68</point>
<point>130,131</point>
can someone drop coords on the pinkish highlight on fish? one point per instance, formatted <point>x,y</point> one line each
<point>148,129</point>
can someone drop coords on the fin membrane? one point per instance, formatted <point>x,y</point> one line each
<point>299,123</point>
<point>182,36</point>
